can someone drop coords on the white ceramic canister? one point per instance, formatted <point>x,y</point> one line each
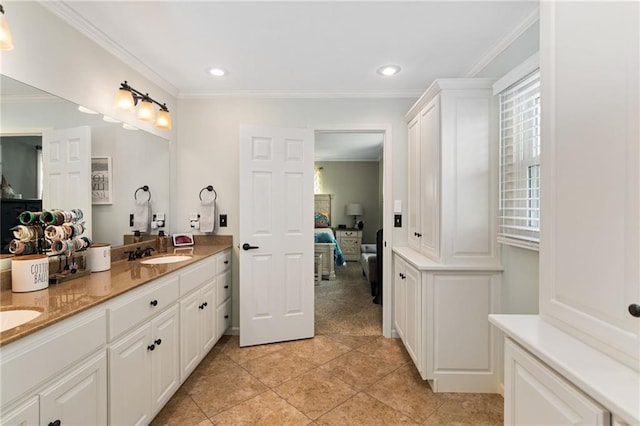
<point>99,257</point>
<point>29,273</point>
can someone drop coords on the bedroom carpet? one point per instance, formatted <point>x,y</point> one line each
<point>344,305</point>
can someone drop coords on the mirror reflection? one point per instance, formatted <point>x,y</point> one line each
<point>123,160</point>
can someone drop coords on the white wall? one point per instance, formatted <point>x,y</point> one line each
<point>353,182</point>
<point>208,150</point>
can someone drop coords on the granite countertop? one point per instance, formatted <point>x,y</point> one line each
<point>61,301</point>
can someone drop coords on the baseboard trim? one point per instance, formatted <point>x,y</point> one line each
<point>232,331</point>
<point>501,389</point>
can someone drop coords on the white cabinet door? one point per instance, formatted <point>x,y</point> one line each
<point>429,195</point>
<point>535,395</point>
<point>190,324</point>
<point>413,185</point>
<point>413,302</point>
<point>27,413</point>
<point>130,378</point>
<point>209,331</point>
<point>590,103</point>
<point>165,357</point>
<point>223,318</point>
<point>79,397</point>
<point>399,292</point>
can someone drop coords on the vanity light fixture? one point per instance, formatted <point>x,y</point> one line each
<point>389,70</point>
<point>6,39</point>
<point>127,98</point>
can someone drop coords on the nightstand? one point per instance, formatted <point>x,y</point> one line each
<point>349,241</point>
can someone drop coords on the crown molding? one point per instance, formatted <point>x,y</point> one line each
<point>24,99</point>
<point>77,21</point>
<point>301,94</point>
<point>505,42</point>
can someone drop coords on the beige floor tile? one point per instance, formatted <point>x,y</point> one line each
<point>241,355</point>
<point>218,392</point>
<point>469,409</point>
<point>318,350</point>
<point>363,409</point>
<point>278,367</point>
<point>180,410</point>
<point>215,368</point>
<point>390,350</point>
<point>315,392</point>
<point>352,341</point>
<point>358,369</point>
<point>264,409</point>
<point>405,390</point>
<point>204,423</point>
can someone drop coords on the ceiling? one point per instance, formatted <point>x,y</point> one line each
<point>302,48</point>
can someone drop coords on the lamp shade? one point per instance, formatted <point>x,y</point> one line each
<point>6,39</point>
<point>354,209</point>
<point>146,112</point>
<point>163,120</point>
<point>124,100</point>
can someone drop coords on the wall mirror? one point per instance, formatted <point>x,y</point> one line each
<point>135,157</point>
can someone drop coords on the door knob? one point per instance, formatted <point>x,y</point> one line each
<point>634,310</point>
<point>247,246</point>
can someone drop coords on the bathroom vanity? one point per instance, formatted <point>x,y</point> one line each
<point>113,347</point>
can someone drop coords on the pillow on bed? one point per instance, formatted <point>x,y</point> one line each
<point>321,221</point>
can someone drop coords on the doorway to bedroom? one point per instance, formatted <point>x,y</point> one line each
<point>348,183</point>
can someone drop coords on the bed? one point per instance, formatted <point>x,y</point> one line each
<point>326,243</point>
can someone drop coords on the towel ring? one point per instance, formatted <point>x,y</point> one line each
<point>210,189</point>
<point>145,188</point>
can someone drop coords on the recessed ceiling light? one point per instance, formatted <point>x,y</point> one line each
<point>217,72</point>
<point>86,110</point>
<point>389,70</point>
<point>110,119</point>
<point>128,126</point>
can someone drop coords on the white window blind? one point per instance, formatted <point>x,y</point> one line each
<point>519,212</point>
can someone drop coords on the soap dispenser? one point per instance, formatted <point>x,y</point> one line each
<point>137,238</point>
<point>161,242</point>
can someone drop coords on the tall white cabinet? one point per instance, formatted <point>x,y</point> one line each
<point>586,335</point>
<point>447,280</point>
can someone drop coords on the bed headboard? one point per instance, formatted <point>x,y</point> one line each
<point>323,205</point>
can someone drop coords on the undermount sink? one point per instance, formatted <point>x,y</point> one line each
<point>14,318</point>
<point>165,259</point>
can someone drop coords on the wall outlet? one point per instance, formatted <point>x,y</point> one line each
<point>131,219</point>
<point>223,220</point>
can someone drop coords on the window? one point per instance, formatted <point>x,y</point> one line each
<point>519,210</point>
<point>317,180</point>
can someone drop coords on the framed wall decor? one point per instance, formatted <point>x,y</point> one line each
<point>101,180</point>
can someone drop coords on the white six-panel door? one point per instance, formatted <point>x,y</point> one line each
<point>276,235</point>
<point>67,170</point>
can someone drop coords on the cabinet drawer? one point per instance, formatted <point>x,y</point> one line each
<point>35,358</point>
<point>141,305</point>
<point>224,287</point>
<point>224,261</point>
<point>354,233</point>
<point>197,275</point>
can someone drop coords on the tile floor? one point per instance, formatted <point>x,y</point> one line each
<point>333,379</point>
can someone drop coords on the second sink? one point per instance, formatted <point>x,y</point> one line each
<point>165,259</point>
